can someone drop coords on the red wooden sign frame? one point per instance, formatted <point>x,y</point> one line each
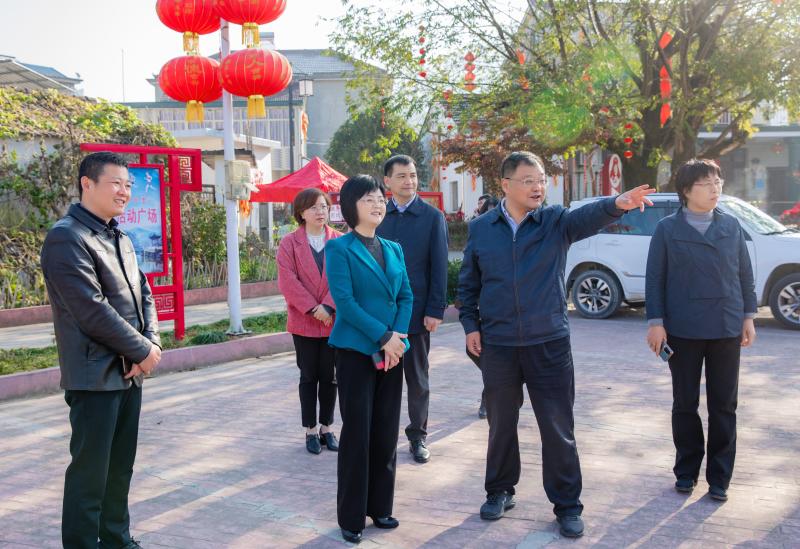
<point>185,174</point>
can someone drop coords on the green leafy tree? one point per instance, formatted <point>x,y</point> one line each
<point>47,183</point>
<point>572,75</point>
<point>362,144</point>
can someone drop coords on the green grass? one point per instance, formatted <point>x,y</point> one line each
<point>25,360</point>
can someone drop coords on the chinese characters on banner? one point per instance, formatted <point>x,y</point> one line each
<point>143,221</point>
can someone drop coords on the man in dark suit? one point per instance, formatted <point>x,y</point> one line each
<point>421,231</point>
<point>107,337</point>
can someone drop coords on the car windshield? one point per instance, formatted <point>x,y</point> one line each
<point>753,217</point>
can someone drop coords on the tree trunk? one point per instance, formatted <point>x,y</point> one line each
<point>636,172</point>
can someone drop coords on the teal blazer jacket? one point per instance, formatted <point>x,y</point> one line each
<point>368,300</point>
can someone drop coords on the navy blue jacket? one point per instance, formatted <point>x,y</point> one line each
<point>511,288</point>
<point>422,233</point>
<point>700,285</point>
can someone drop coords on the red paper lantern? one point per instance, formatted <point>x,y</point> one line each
<point>249,14</point>
<point>255,74</point>
<point>665,114</point>
<point>191,79</point>
<point>191,17</point>
<point>628,154</point>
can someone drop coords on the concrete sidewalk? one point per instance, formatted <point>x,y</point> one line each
<point>41,335</point>
<point>222,462</point>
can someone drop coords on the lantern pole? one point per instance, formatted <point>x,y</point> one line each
<point>231,206</point>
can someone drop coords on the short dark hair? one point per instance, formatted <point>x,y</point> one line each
<point>306,199</point>
<point>402,159</point>
<point>693,171</point>
<point>488,203</point>
<point>352,191</point>
<point>93,164</point>
<point>513,160</point>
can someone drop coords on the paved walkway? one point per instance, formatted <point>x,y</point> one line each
<point>222,461</point>
<point>41,335</point>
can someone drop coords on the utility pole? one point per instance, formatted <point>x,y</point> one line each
<point>231,206</point>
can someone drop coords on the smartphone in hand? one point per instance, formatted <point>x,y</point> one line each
<point>666,352</point>
<point>378,360</point>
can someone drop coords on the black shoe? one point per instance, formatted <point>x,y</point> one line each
<point>387,523</point>
<point>420,451</point>
<point>570,526</point>
<point>329,440</point>
<point>352,537</point>
<point>496,505</point>
<point>717,493</point>
<point>313,444</point>
<point>685,485</point>
<point>482,409</point>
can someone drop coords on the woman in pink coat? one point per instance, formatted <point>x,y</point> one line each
<point>302,281</point>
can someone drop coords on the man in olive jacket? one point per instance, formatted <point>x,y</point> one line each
<point>107,337</point>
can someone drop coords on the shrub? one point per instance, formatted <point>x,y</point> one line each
<point>453,269</point>
<point>204,232</point>
<point>457,233</point>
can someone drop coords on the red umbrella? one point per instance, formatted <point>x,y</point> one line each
<point>315,174</point>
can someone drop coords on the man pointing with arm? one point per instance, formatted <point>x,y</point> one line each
<point>514,312</point>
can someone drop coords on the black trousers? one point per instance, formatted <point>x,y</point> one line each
<point>369,401</point>
<point>105,429</point>
<point>721,358</point>
<point>476,360</point>
<point>415,367</point>
<point>548,372</point>
<point>316,359</point>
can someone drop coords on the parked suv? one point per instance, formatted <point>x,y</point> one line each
<point>609,268</point>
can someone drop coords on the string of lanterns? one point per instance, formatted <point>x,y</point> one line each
<point>422,51</point>
<point>469,68</point>
<point>253,72</point>
<point>665,83</point>
<point>628,140</point>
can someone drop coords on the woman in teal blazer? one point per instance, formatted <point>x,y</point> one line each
<point>369,285</point>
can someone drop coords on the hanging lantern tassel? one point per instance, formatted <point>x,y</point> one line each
<point>256,107</point>
<point>191,43</point>
<point>194,111</point>
<point>250,37</point>
<point>245,208</point>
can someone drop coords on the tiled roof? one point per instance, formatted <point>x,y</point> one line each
<point>317,62</point>
<point>314,62</point>
<point>49,72</point>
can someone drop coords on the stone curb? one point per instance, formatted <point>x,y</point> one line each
<point>22,316</point>
<point>39,382</point>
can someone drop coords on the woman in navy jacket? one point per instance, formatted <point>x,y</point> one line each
<point>701,301</point>
<point>368,281</point>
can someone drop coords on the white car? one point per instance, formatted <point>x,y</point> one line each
<point>609,268</point>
